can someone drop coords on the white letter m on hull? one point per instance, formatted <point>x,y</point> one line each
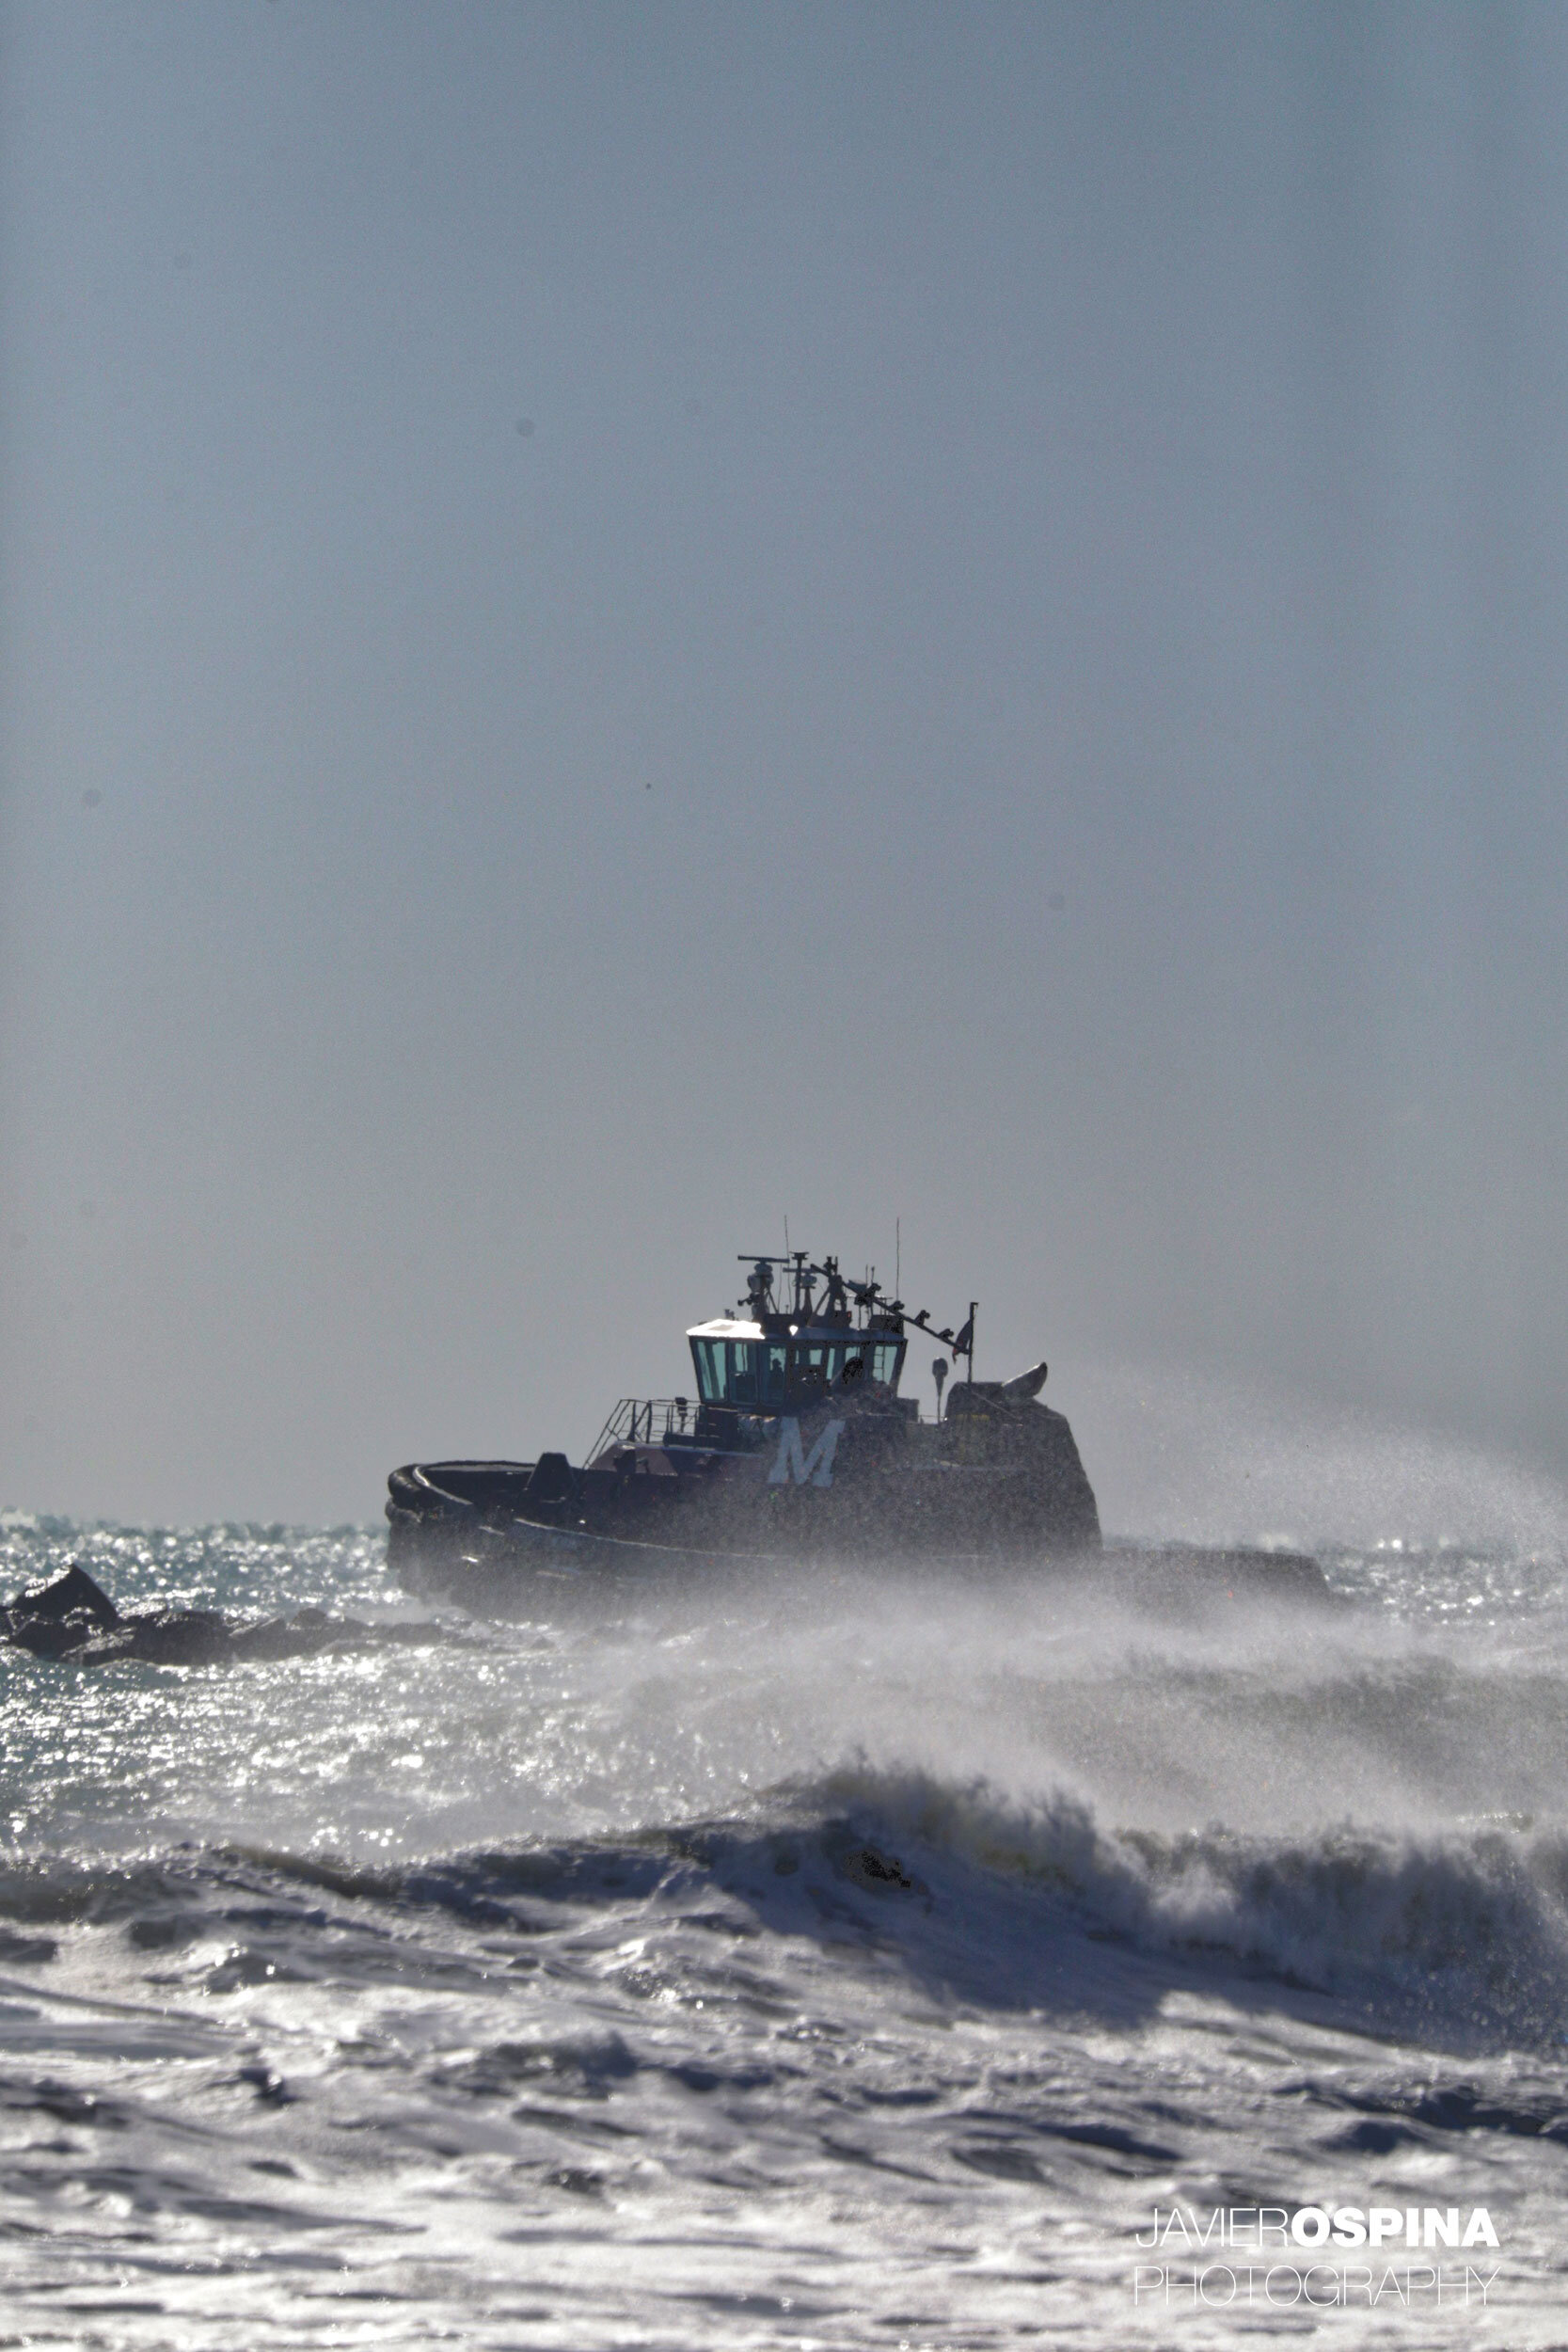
<point>814,1468</point>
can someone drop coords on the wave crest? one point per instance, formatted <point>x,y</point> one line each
<point>1470,1923</point>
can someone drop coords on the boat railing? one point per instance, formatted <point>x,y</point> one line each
<point>645,1421</point>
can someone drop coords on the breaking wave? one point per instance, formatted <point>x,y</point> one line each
<point>1456,1936</point>
<point>1467,1928</point>
<point>752,1971</point>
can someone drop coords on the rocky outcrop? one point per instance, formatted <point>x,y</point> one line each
<point>73,1618</point>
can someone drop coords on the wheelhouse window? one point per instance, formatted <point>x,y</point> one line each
<point>728,1371</point>
<point>776,1375</point>
<point>880,1360</point>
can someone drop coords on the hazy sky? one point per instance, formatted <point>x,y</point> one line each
<point>619,623</point>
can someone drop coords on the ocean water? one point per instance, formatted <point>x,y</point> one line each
<point>861,1964</point>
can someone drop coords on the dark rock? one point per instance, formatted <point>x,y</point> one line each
<point>162,1637</point>
<point>305,1634</point>
<point>284,1637</point>
<point>71,1593</point>
<point>57,1620</point>
<point>877,1872</point>
<point>98,1650</point>
<point>74,1618</point>
<point>53,1637</point>
<point>273,1637</point>
<point>181,1637</point>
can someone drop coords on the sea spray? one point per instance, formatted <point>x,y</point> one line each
<point>789,1964</point>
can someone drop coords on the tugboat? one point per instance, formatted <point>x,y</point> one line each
<point>797,1448</point>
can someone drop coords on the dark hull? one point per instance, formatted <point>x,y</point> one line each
<point>463,1534</point>
<point>457,1530</point>
<point>856,1481</point>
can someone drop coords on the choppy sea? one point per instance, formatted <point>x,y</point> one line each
<point>858,1965</point>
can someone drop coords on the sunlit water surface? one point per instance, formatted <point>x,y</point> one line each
<point>857,1963</point>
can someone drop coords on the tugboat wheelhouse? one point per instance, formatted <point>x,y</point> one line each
<point>740,1365</point>
<point>792,1345</point>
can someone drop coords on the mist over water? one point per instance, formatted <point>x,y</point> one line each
<point>1177,1451</point>
<point>802,1963</point>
